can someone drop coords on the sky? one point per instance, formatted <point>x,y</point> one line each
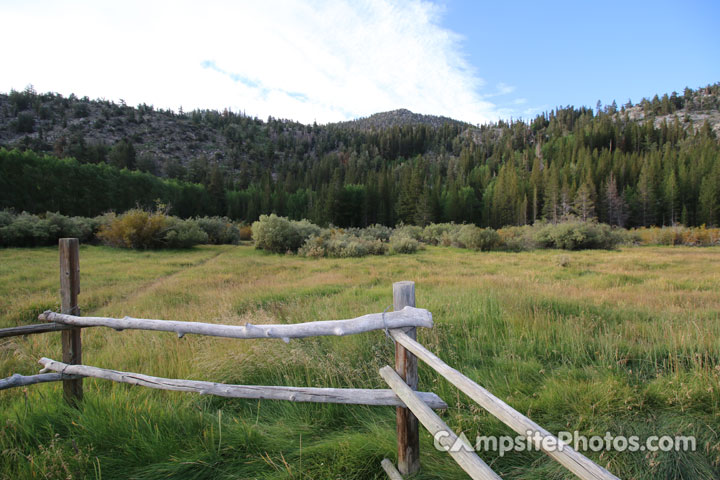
<point>332,60</point>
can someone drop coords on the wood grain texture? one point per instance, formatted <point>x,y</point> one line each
<point>69,291</point>
<point>33,329</point>
<point>390,469</point>
<point>407,317</point>
<point>465,457</point>
<point>351,396</point>
<point>18,380</point>
<point>408,435</point>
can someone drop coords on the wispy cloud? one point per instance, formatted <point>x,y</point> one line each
<point>309,60</point>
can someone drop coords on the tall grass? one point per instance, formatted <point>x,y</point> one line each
<point>622,341</point>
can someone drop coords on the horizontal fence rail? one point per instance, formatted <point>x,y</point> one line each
<point>465,457</point>
<point>407,317</point>
<point>576,462</point>
<point>33,329</point>
<point>18,380</point>
<point>351,396</point>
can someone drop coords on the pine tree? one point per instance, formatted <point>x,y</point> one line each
<point>671,197</point>
<point>216,189</point>
<point>645,195</point>
<point>615,203</point>
<point>583,206</point>
<point>708,202</point>
<point>551,202</point>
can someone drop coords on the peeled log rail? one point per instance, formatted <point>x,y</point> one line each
<point>353,396</point>
<point>32,329</point>
<point>407,317</point>
<point>465,457</point>
<point>18,380</point>
<point>576,462</point>
<point>390,469</point>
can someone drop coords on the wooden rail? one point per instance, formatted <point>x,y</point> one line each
<point>390,469</point>
<point>33,329</point>
<point>406,317</point>
<point>465,457</point>
<point>353,396</point>
<point>577,463</point>
<point>18,380</point>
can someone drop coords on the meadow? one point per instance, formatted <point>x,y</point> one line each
<point>624,341</point>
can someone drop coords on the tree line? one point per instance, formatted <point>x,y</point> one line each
<point>594,164</point>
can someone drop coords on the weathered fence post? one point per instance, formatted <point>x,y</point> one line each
<point>406,366</point>
<point>69,290</point>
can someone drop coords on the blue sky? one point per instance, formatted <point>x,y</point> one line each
<point>332,60</point>
<point>578,52</point>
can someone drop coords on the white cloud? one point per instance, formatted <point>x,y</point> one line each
<point>307,60</point>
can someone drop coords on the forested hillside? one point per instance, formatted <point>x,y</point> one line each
<point>652,163</point>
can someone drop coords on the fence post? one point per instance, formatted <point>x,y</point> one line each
<point>69,290</point>
<point>406,366</point>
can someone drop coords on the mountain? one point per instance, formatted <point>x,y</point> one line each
<point>399,118</point>
<point>655,162</point>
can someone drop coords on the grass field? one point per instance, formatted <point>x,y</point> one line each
<point>623,341</point>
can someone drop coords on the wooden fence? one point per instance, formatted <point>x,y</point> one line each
<point>401,324</point>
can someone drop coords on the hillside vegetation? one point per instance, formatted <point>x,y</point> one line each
<point>622,341</point>
<point>656,162</point>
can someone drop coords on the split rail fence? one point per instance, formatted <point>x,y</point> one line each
<point>401,324</point>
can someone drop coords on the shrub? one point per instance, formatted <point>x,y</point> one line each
<point>440,233</point>
<point>184,234</point>
<point>135,229</point>
<point>677,235</point>
<point>517,239</point>
<point>276,234</point>
<point>340,244</point>
<point>562,261</point>
<point>305,229</point>
<point>478,238</point>
<point>577,235</point>
<point>314,247</point>
<point>245,232</point>
<point>27,230</point>
<point>400,243</point>
<point>372,232</point>
<point>411,231</point>
<point>141,229</point>
<point>6,218</point>
<point>219,230</point>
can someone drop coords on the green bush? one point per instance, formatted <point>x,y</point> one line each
<point>219,230</point>
<point>276,234</point>
<point>184,234</point>
<point>305,229</point>
<point>340,244</point>
<point>411,231</point>
<point>27,230</point>
<point>400,243</point>
<point>577,235</point>
<point>372,232</point>
<point>440,233</point>
<point>477,238</point>
<point>517,239</point>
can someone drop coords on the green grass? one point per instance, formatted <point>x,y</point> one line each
<point>623,341</point>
